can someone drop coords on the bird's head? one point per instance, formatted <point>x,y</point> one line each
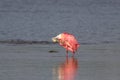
<point>57,38</point>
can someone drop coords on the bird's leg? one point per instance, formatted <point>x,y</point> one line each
<point>73,54</point>
<point>66,53</point>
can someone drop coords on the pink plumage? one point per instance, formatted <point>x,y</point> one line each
<point>68,41</point>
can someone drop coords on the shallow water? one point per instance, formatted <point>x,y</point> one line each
<point>35,62</point>
<point>91,21</point>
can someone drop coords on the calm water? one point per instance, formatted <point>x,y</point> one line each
<point>34,62</point>
<point>91,21</point>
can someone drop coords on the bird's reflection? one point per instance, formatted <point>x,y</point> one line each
<point>67,70</point>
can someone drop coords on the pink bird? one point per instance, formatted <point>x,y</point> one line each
<point>68,41</point>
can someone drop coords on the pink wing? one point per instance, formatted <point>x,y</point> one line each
<point>69,42</point>
<point>72,42</point>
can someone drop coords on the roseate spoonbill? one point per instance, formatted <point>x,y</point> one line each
<point>68,41</point>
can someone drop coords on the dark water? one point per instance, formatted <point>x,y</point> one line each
<point>91,21</point>
<point>34,62</point>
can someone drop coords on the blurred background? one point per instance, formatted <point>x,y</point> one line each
<point>91,21</point>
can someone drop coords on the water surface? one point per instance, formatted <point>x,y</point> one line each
<point>91,21</point>
<point>34,62</point>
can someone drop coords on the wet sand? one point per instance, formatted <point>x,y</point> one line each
<point>49,62</point>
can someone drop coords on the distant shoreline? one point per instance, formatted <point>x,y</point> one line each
<point>19,41</point>
<point>25,42</point>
